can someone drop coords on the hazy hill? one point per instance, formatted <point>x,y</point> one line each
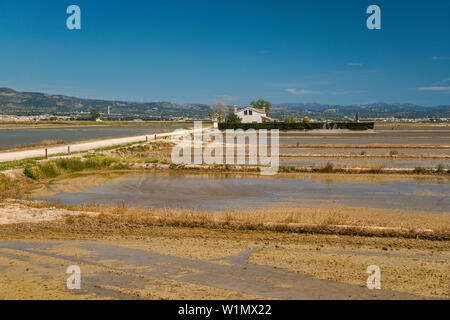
<point>372,110</point>
<point>35,103</point>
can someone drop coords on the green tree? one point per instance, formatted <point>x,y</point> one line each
<point>306,120</point>
<point>290,119</point>
<point>262,104</point>
<point>233,119</point>
<point>95,114</point>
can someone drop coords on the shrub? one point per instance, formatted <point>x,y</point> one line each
<point>290,119</point>
<point>393,153</point>
<point>328,168</point>
<point>421,170</point>
<point>440,168</point>
<point>28,172</point>
<point>72,165</point>
<point>48,170</point>
<point>232,119</point>
<point>152,160</point>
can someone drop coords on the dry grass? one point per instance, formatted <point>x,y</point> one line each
<point>340,221</point>
<point>156,152</point>
<point>49,142</point>
<point>10,187</point>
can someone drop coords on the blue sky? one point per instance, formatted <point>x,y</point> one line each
<point>201,51</point>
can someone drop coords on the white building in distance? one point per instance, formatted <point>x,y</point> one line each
<point>251,115</point>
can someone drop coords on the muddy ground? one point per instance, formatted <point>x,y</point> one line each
<point>120,259</point>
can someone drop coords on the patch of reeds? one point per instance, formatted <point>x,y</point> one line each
<point>55,168</point>
<point>327,168</point>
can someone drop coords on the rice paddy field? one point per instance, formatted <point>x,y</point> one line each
<point>22,136</point>
<point>141,227</point>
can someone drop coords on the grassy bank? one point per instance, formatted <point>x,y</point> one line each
<point>56,168</point>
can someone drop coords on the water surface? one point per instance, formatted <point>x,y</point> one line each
<point>221,192</point>
<point>366,163</point>
<point>15,137</point>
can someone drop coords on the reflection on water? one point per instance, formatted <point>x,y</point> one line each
<point>221,192</point>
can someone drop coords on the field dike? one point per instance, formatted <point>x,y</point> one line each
<point>352,221</point>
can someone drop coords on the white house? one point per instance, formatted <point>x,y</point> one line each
<point>250,115</point>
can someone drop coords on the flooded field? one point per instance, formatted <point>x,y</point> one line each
<point>365,163</point>
<point>384,152</point>
<point>220,192</point>
<point>439,136</point>
<point>11,137</point>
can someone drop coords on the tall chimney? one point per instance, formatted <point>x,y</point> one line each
<point>235,108</point>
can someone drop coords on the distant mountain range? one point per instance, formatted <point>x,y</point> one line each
<point>34,103</point>
<point>371,110</point>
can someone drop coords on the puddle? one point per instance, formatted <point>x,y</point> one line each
<point>218,192</point>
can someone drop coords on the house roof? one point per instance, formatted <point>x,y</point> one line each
<point>253,109</point>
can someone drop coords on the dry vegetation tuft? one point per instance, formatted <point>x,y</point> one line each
<point>10,187</point>
<point>340,221</point>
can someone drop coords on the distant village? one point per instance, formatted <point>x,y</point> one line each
<point>248,114</point>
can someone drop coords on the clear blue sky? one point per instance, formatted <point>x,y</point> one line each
<point>194,51</point>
